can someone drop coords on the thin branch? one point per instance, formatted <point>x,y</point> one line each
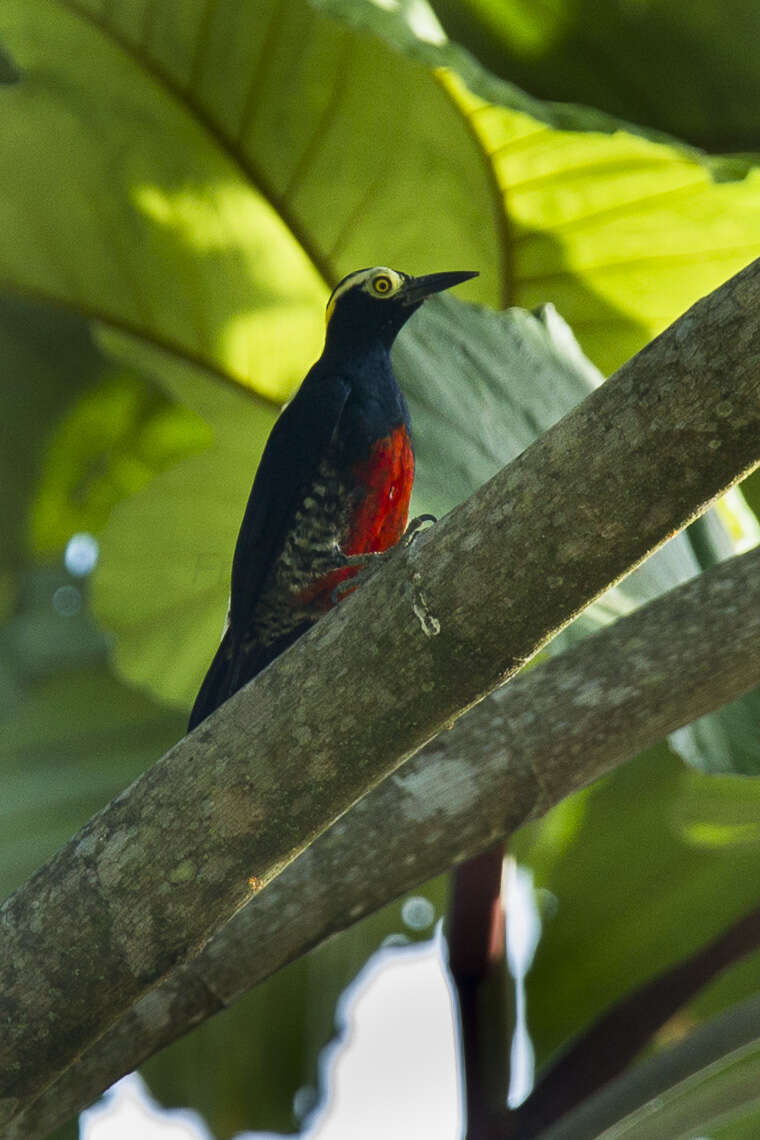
<point>152,877</point>
<point>608,1046</point>
<point>668,1076</point>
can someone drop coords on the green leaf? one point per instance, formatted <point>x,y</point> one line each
<point>570,192</point>
<point>481,386</point>
<point>262,170</point>
<point>414,29</point>
<point>621,233</point>
<point>163,580</point>
<point>210,220</point>
<point>672,65</point>
<point>48,360</point>
<point>71,735</point>
<point>108,446</point>
<point>726,740</point>
<point>58,771</point>
<point>720,1101</point>
<point>705,1086</point>
<point>635,872</point>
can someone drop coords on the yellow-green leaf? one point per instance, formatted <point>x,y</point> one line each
<point>216,169</point>
<point>621,233</point>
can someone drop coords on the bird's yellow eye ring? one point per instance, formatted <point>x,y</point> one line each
<point>382,284</point>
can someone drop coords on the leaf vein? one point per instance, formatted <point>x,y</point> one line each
<point>248,169</point>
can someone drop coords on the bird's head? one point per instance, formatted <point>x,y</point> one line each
<point>372,305</point>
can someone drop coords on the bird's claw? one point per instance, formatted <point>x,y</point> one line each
<point>415,526</point>
<point>366,565</point>
<point>371,560</point>
<point>342,559</point>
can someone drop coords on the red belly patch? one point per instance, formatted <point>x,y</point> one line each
<point>386,477</point>
<point>379,519</point>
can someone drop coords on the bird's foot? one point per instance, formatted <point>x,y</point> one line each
<point>363,566</point>
<point>372,560</point>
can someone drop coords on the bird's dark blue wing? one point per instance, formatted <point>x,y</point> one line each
<point>293,452</point>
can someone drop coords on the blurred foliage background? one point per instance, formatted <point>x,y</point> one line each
<point>182,183</point>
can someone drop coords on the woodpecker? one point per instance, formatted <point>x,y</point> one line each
<point>333,483</point>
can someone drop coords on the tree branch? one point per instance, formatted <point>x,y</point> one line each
<point>576,716</point>
<point>151,878</point>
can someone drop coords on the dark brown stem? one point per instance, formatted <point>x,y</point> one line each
<point>612,1042</point>
<point>475,935</point>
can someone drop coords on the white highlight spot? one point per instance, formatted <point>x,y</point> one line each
<point>523,935</point>
<point>429,624</point>
<point>127,1111</point>
<point>417,912</point>
<point>81,554</point>
<point>394,1070</point>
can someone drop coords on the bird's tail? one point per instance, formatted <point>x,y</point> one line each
<point>234,665</point>
<point>218,684</point>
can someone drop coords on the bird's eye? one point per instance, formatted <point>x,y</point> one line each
<point>382,284</point>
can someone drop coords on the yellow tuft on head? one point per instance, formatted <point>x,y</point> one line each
<point>380,282</point>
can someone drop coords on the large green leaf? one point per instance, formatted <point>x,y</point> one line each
<point>641,869</point>
<point>59,770</point>
<point>721,1101</point>
<point>621,233</point>
<point>110,443</point>
<point>216,167</point>
<point>253,153</point>
<point>71,735</point>
<point>688,67</point>
<point>589,186</point>
<point>48,360</point>
<point>163,581</point>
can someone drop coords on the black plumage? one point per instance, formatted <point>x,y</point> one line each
<point>334,480</point>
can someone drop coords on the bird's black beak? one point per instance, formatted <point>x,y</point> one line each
<point>416,289</point>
